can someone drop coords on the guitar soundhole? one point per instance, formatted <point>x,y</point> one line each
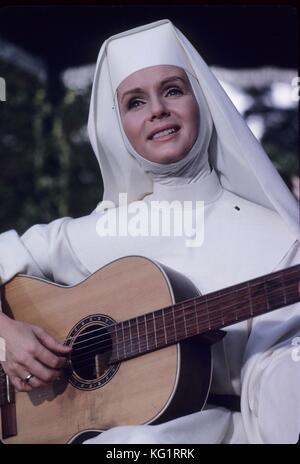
<point>91,352</point>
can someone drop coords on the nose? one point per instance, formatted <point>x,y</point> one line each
<point>158,108</point>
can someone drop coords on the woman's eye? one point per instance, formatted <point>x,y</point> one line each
<point>134,103</point>
<point>174,91</point>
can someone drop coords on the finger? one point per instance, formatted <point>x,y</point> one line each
<point>34,382</point>
<point>46,357</point>
<point>43,373</point>
<point>19,384</point>
<point>16,370</point>
<point>50,342</point>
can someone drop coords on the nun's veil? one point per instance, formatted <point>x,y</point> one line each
<point>235,154</point>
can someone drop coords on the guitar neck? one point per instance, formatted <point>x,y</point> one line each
<point>200,315</point>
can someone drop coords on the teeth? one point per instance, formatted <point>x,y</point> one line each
<point>163,133</point>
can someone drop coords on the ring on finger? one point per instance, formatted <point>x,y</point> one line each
<point>27,378</point>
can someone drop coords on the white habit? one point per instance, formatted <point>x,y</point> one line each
<point>250,229</point>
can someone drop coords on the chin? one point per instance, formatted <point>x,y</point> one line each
<point>167,158</point>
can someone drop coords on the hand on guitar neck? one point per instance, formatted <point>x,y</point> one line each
<point>30,350</point>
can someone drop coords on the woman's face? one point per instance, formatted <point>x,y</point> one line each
<point>159,113</point>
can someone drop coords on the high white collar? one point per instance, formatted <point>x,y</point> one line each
<point>208,190</point>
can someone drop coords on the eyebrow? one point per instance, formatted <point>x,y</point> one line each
<point>161,84</point>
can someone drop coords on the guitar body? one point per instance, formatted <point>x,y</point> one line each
<point>152,388</point>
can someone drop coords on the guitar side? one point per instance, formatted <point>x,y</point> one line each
<point>152,388</point>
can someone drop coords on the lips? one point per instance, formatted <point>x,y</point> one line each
<point>162,129</point>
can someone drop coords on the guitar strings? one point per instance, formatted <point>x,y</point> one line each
<point>3,396</point>
<point>183,306</point>
<point>141,341</point>
<point>198,320</point>
<point>160,316</point>
<point>192,300</point>
<point>224,293</point>
<point>179,307</point>
<point>131,340</point>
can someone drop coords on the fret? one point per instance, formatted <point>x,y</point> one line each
<point>130,337</point>
<point>292,282</point>
<point>215,311</point>
<point>161,329</point>
<point>258,298</point>
<point>241,305</point>
<point>230,304</point>
<point>146,332</point>
<point>116,344</point>
<point>250,298</point>
<point>142,334</point>
<point>283,288</point>
<point>170,324</point>
<point>138,335</point>
<point>184,320</point>
<point>164,326</point>
<point>134,335</point>
<point>174,325</point>
<point>179,322</point>
<point>266,296</point>
<point>196,316</point>
<point>223,309</point>
<point>207,313</point>
<point>121,340</point>
<point>275,296</point>
<point>235,311</point>
<point>125,333</point>
<point>190,319</point>
<point>150,331</point>
<point>154,326</point>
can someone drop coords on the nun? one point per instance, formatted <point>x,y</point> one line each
<point>164,130</point>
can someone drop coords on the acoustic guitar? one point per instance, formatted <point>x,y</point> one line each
<point>141,335</point>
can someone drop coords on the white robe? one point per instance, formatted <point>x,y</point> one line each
<point>254,360</point>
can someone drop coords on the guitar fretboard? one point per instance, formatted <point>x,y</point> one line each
<point>202,314</point>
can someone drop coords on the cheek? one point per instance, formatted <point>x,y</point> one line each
<point>131,129</point>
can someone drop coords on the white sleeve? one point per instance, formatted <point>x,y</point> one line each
<point>43,251</point>
<point>270,400</point>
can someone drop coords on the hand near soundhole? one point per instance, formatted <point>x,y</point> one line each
<point>33,358</point>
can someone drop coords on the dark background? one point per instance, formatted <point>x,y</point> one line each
<point>227,35</point>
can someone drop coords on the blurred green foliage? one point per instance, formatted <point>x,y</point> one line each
<point>281,135</point>
<point>47,166</point>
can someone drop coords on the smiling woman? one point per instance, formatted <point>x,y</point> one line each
<point>159,113</point>
<point>162,128</point>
